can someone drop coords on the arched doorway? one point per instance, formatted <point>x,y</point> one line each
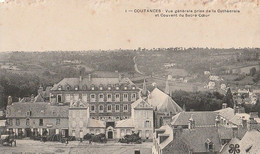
<point>110,132</point>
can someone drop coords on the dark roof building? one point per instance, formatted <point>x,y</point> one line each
<point>202,119</point>
<point>88,83</point>
<point>37,110</point>
<point>196,140</point>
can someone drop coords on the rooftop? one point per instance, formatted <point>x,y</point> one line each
<point>74,82</point>
<point>201,118</point>
<point>163,102</point>
<point>37,109</point>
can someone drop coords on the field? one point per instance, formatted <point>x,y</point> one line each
<point>35,147</point>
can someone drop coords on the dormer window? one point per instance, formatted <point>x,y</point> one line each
<point>100,88</point>
<point>59,88</point>
<point>109,88</point>
<point>28,113</point>
<point>125,88</point>
<point>209,145</point>
<point>133,88</point>
<point>42,111</point>
<point>92,87</point>
<point>117,88</point>
<point>76,88</point>
<point>68,87</point>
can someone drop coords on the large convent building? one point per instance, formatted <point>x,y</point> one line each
<point>113,106</point>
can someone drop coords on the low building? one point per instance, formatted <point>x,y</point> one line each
<point>80,122</point>
<point>193,140</point>
<point>33,118</point>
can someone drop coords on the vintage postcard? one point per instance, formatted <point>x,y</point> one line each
<point>130,76</point>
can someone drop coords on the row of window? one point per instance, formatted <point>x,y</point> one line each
<point>95,88</point>
<point>27,122</point>
<point>101,97</point>
<point>109,108</point>
<point>110,118</point>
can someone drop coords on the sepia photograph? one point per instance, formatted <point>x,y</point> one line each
<point>129,77</point>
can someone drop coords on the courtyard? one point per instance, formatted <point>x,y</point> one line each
<point>111,147</point>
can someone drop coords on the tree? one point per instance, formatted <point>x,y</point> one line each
<point>229,98</point>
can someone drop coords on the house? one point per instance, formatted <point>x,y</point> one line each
<point>247,145</point>
<point>80,121</point>
<point>26,119</point>
<point>201,132</point>
<point>194,139</point>
<point>202,118</point>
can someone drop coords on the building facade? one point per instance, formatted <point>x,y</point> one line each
<point>33,119</point>
<point>109,99</point>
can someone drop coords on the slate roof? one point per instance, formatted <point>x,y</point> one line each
<point>94,81</point>
<point>163,102</point>
<point>237,118</point>
<point>225,148</point>
<point>227,113</point>
<point>38,110</point>
<point>250,142</point>
<point>201,118</point>
<point>225,133</point>
<point>194,140</point>
<point>93,123</point>
<point>128,123</point>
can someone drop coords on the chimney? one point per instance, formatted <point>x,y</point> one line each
<point>191,123</point>
<point>10,100</point>
<point>224,105</point>
<point>217,120</point>
<point>244,122</point>
<point>89,77</point>
<point>235,131</point>
<point>252,123</point>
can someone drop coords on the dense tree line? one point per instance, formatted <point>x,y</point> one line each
<point>17,85</point>
<point>198,101</point>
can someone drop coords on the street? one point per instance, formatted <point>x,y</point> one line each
<point>36,147</point>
